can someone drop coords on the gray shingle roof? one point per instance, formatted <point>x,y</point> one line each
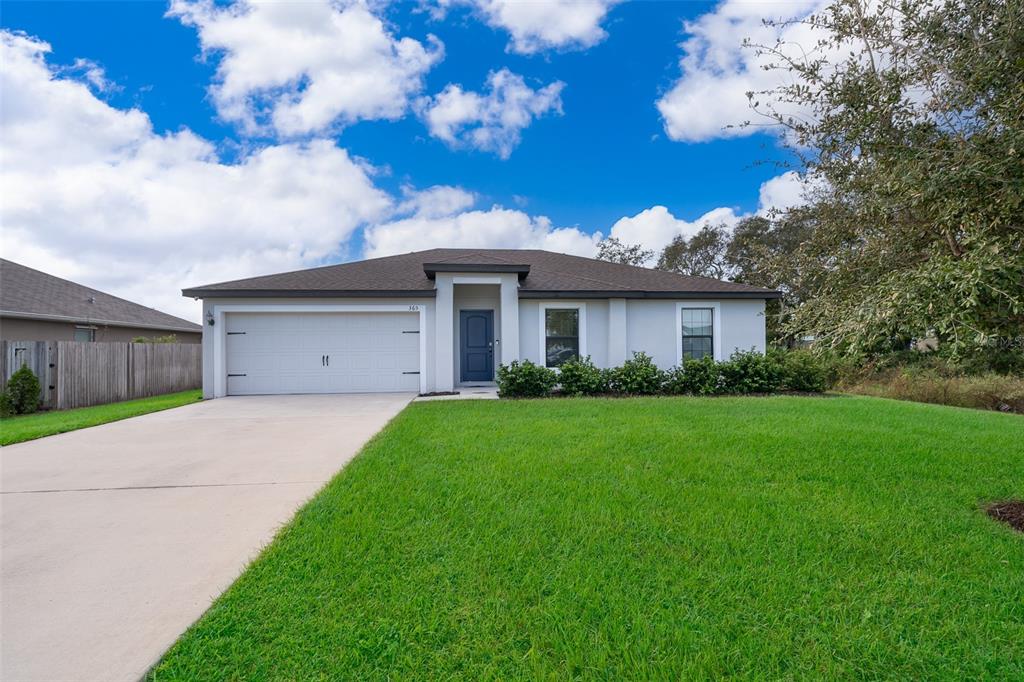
<point>25,292</point>
<point>551,274</point>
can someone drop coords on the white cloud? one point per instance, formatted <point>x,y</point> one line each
<point>493,121</point>
<point>781,192</point>
<point>304,67</point>
<point>496,228</point>
<point>718,72</point>
<point>91,193</point>
<point>94,74</point>
<point>536,26</point>
<point>436,201</point>
<point>655,227</point>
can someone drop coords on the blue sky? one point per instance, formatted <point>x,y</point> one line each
<point>596,149</point>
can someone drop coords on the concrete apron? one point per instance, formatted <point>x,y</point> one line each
<point>117,537</point>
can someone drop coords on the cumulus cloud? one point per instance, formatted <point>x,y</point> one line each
<point>93,194</point>
<point>655,227</point>
<point>497,228</point>
<point>538,26</point>
<point>297,68</point>
<point>781,192</point>
<point>436,201</point>
<point>492,121</point>
<point>718,72</point>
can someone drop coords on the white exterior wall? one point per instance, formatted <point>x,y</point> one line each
<point>653,326</point>
<point>743,326</point>
<point>618,327</point>
<point>615,328</point>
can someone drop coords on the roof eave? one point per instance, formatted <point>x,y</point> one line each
<point>308,293</point>
<point>45,317</point>
<point>545,293</point>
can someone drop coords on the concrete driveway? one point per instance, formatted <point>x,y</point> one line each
<point>117,537</point>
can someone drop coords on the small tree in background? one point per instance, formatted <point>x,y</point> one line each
<point>615,251</point>
<point>702,255</point>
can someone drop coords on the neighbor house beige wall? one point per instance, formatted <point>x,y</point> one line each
<point>16,329</point>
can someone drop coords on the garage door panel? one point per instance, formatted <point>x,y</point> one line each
<point>285,352</point>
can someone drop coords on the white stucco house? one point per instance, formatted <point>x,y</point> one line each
<point>431,321</point>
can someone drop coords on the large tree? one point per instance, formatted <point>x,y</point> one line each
<point>910,116</point>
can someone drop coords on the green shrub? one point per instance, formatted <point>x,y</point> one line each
<point>751,372</point>
<point>582,377</point>
<point>694,377</point>
<point>6,409</point>
<point>525,380</point>
<point>801,371</point>
<point>22,392</point>
<point>638,376</point>
<point>167,338</point>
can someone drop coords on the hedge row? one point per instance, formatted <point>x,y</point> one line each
<point>743,373</point>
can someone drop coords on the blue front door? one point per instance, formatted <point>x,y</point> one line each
<point>477,345</point>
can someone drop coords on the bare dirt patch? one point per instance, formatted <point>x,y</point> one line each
<point>1010,512</point>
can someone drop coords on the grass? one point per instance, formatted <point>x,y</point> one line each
<point>32,426</point>
<point>662,538</point>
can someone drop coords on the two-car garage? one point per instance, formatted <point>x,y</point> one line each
<point>321,352</point>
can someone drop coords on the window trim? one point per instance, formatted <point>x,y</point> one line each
<point>716,328</point>
<point>580,307</point>
<point>85,327</point>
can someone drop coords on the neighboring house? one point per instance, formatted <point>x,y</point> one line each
<point>35,306</point>
<point>432,320</point>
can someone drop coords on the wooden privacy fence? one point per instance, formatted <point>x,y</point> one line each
<point>82,373</point>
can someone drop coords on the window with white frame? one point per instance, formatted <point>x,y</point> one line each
<point>561,335</point>
<point>85,333</point>
<point>698,333</point>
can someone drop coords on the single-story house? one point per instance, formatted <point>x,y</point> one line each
<point>35,306</point>
<point>431,321</point>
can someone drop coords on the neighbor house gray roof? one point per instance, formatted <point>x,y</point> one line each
<point>542,274</point>
<point>31,294</point>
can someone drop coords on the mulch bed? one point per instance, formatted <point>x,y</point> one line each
<point>1010,512</point>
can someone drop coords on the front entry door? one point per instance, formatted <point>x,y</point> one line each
<point>477,345</point>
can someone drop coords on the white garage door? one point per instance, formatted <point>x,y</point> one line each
<point>271,353</point>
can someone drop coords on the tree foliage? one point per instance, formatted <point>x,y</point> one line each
<point>615,251</point>
<point>702,255</point>
<point>910,116</point>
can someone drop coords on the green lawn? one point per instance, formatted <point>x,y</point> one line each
<point>31,426</point>
<point>663,538</point>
